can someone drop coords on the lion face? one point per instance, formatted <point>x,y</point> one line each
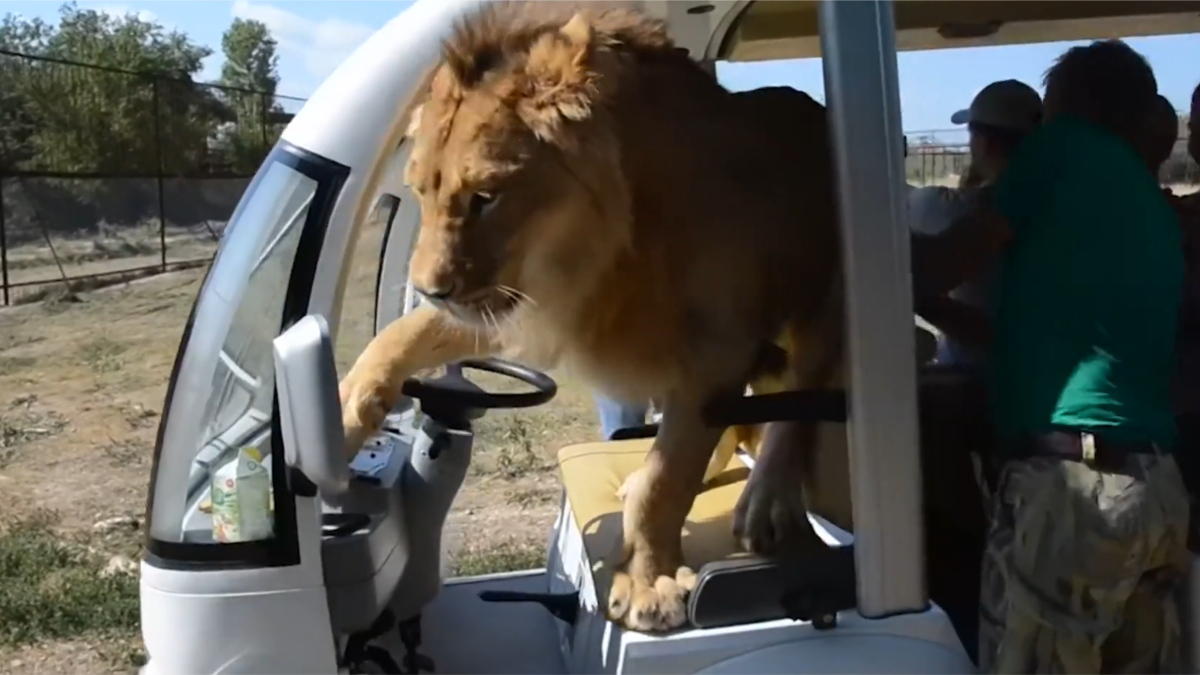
<point>508,193</point>
<point>487,193</point>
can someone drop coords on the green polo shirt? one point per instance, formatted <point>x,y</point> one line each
<point>1089,290</point>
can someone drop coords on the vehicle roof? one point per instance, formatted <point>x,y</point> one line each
<point>787,29</point>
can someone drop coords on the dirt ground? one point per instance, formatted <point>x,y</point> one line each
<point>81,391</point>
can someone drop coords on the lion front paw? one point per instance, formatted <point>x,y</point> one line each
<point>364,407</point>
<point>650,603</point>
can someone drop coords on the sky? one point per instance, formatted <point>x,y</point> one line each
<point>315,35</point>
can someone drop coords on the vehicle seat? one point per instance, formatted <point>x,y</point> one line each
<point>591,476</point>
<point>591,473</point>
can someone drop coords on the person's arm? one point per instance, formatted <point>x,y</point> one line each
<point>942,262</point>
<point>1001,211</point>
<point>965,324</point>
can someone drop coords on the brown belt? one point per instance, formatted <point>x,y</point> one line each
<point>1080,446</point>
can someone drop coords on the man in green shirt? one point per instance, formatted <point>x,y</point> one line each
<point>1088,539</point>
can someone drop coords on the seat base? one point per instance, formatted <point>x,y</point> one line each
<point>592,644</point>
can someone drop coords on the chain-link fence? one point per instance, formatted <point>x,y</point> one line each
<point>941,157</point>
<point>110,174</point>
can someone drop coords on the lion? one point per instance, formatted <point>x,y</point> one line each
<point>747,437</point>
<point>593,198</point>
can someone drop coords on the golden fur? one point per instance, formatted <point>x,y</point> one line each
<point>747,437</point>
<point>592,198</point>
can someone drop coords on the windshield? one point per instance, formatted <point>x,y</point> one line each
<point>244,379</point>
<point>223,390</point>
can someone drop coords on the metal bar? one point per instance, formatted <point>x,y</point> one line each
<point>82,175</point>
<point>172,266</point>
<point>859,56</point>
<point>123,71</point>
<point>3,247</point>
<point>158,180</point>
<point>262,120</point>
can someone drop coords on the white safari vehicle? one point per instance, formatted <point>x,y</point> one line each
<point>345,574</point>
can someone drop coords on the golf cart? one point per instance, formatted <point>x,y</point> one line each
<point>341,569</point>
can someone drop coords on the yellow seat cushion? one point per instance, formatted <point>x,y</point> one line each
<point>593,472</point>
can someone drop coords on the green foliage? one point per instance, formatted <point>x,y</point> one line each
<point>51,587</point>
<point>119,96</point>
<point>98,120</point>
<point>251,69</point>
<point>139,109</point>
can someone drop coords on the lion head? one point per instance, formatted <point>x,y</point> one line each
<point>516,164</point>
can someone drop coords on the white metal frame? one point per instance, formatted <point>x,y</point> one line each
<point>861,85</point>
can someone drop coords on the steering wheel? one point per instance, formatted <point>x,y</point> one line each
<point>453,397</point>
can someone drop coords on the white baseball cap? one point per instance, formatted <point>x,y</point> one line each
<point>1008,104</point>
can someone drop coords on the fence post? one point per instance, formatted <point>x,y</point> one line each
<point>3,246</point>
<point>262,113</point>
<point>158,180</point>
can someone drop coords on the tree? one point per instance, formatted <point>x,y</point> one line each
<point>100,119</point>
<point>251,75</point>
<point>113,117</point>
<point>250,58</point>
<point>16,121</point>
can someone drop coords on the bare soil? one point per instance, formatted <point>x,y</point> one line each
<point>82,385</point>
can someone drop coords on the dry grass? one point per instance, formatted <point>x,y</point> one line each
<point>81,389</point>
<point>118,255</point>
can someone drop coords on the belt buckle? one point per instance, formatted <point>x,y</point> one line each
<point>1088,444</point>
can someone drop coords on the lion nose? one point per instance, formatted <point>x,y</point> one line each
<point>442,291</point>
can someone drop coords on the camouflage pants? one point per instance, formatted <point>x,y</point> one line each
<point>1082,567</point>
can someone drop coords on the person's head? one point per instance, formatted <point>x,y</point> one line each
<point>998,119</point>
<point>1194,126</point>
<point>1161,132</point>
<point>1105,83</point>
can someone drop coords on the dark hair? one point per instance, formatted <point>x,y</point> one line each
<point>1106,83</point>
<point>1162,132</point>
<point>1001,139</point>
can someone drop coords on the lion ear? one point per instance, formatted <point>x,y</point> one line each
<point>560,79</point>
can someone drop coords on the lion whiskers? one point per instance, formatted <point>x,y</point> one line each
<point>514,294</point>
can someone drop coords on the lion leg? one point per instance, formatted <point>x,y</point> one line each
<point>422,339</point>
<point>650,585</point>
<point>726,448</point>
<point>771,516</point>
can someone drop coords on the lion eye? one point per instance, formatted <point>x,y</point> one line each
<point>480,201</point>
